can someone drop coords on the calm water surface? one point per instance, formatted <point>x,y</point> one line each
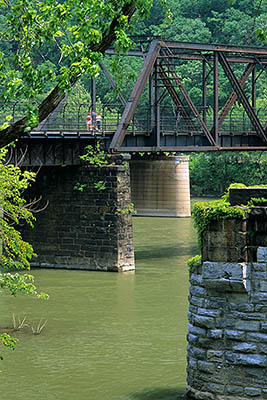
<point>109,336</point>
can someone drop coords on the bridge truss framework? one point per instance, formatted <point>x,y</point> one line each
<point>160,69</point>
<point>171,121</point>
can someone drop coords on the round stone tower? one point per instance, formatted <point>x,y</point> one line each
<point>227,339</point>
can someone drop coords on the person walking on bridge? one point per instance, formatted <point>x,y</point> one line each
<point>98,121</point>
<point>89,125</point>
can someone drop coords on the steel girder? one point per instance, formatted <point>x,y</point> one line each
<point>160,57</point>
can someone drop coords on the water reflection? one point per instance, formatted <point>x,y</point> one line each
<point>109,336</point>
<point>158,394</point>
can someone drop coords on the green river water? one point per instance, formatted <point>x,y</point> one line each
<point>109,336</point>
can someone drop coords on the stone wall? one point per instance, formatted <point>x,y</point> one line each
<point>227,339</point>
<point>83,229</point>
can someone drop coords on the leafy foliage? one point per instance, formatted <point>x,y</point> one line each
<point>15,252</point>
<point>194,262</point>
<point>206,212</point>
<point>49,45</point>
<point>128,210</point>
<point>212,173</point>
<point>95,156</point>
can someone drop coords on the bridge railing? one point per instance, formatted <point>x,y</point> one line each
<point>71,117</point>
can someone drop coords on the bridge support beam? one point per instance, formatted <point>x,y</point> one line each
<point>86,224</point>
<point>160,187</point>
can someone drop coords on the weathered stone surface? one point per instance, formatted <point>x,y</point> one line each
<point>235,335</point>
<point>215,333</point>
<point>226,276</point>
<point>257,337</point>
<point>213,270</point>
<point>259,266</point>
<point>214,356</point>
<point>80,229</point>
<point>192,393</point>
<point>204,322</point>
<point>252,392</point>
<point>239,196</point>
<point>245,348</point>
<point>231,389</point>
<point>246,359</point>
<point>206,366</point>
<point>195,330</point>
<point>248,325</point>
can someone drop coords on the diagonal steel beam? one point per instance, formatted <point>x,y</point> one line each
<point>174,95</point>
<point>242,97</point>
<point>114,87</point>
<point>112,82</point>
<point>135,95</point>
<point>233,96</point>
<point>191,105</point>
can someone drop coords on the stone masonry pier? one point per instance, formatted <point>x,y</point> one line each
<point>227,339</point>
<point>86,223</point>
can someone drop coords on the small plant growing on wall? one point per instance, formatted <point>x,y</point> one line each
<point>100,186</point>
<point>79,187</point>
<point>95,156</point>
<point>194,262</point>
<point>128,210</point>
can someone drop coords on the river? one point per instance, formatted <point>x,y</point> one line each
<point>109,336</point>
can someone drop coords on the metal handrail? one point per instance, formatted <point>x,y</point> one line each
<point>72,118</point>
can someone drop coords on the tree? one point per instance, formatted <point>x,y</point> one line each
<point>78,30</point>
<point>212,173</point>
<point>15,252</point>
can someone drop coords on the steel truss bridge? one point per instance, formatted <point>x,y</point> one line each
<point>169,120</point>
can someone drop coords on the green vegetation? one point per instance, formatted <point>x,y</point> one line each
<point>95,156</point>
<point>257,201</point>
<point>100,186</point>
<point>15,253</point>
<point>128,210</point>
<point>212,173</point>
<point>66,40</point>
<point>194,262</point>
<point>79,187</point>
<point>206,212</point>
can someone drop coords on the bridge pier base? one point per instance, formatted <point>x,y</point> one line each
<point>227,351</point>
<point>86,224</point>
<point>160,187</point>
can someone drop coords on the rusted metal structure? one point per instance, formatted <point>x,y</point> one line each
<point>194,132</point>
<point>160,114</point>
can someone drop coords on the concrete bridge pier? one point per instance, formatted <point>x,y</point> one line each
<point>161,187</point>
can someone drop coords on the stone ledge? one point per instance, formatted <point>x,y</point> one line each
<point>226,276</point>
<point>83,267</point>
